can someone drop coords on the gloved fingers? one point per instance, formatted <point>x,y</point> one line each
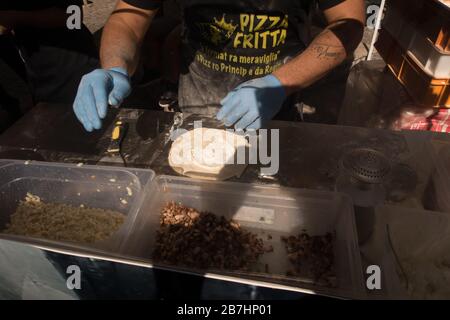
<point>227,108</point>
<point>121,89</point>
<point>228,97</point>
<point>80,112</point>
<point>256,125</point>
<point>236,110</point>
<point>90,108</point>
<point>246,120</point>
<point>223,110</point>
<point>101,99</point>
<point>86,123</point>
<point>236,114</point>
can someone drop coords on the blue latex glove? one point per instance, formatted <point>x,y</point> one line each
<point>98,89</point>
<point>253,103</point>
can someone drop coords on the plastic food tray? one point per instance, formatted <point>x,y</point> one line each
<point>117,189</point>
<point>264,210</point>
<point>410,245</point>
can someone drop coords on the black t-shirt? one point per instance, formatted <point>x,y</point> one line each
<point>226,42</point>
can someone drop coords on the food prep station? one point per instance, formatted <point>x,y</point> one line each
<point>60,163</point>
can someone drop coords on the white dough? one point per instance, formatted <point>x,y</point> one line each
<point>209,154</point>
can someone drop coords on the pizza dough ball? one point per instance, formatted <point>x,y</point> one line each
<point>211,154</point>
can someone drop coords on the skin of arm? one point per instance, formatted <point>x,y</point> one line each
<point>45,18</point>
<point>328,50</point>
<point>123,35</point>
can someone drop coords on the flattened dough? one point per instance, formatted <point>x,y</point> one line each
<point>209,154</point>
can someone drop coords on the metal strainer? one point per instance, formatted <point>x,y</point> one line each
<point>366,165</point>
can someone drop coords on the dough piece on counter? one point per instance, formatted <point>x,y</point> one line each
<point>209,154</point>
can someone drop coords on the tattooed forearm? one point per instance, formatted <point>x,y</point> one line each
<point>329,49</point>
<point>325,46</point>
<point>324,54</point>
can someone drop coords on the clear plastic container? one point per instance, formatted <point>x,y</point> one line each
<point>412,248</point>
<point>264,210</point>
<point>111,188</point>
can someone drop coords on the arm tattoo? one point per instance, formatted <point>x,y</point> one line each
<point>328,52</point>
<point>326,49</point>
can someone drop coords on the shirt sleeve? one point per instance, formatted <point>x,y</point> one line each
<point>145,4</point>
<point>327,4</point>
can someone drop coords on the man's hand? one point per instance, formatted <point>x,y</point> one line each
<point>121,38</point>
<point>98,89</point>
<point>253,103</point>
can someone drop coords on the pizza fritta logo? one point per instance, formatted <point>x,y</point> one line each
<point>220,31</point>
<point>252,31</point>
